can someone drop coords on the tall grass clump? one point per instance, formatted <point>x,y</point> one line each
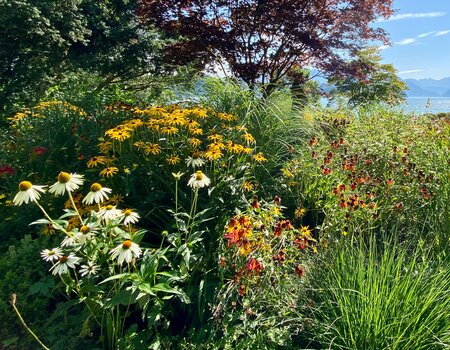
<point>380,297</point>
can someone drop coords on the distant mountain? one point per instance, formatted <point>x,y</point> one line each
<point>428,87</point>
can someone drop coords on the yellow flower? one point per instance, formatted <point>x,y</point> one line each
<point>226,117</point>
<point>198,112</point>
<point>197,131</point>
<point>105,146</point>
<point>248,137</point>
<point>300,212</point>
<point>169,130</point>
<point>213,154</point>
<point>215,138</point>
<point>216,145</point>
<point>192,124</point>
<point>152,148</point>
<point>234,147</point>
<point>194,142</point>
<point>135,123</point>
<point>109,171</point>
<point>247,186</point>
<point>140,145</point>
<point>95,161</point>
<point>175,119</point>
<point>247,150</point>
<point>173,160</point>
<point>259,157</point>
<point>120,135</point>
<point>305,231</point>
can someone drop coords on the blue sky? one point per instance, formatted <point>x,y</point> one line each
<point>420,38</point>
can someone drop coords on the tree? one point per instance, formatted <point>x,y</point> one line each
<point>41,41</point>
<point>375,82</point>
<point>260,40</point>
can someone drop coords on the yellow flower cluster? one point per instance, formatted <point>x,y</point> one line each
<point>40,110</point>
<point>177,134</point>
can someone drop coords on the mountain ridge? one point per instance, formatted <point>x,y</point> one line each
<point>428,87</point>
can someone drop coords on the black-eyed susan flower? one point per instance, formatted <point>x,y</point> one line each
<point>299,212</point>
<point>234,147</point>
<point>152,148</point>
<point>194,142</point>
<point>109,171</point>
<point>199,180</point>
<point>97,194</point>
<point>51,254</point>
<point>169,130</point>
<point>64,263</point>
<point>66,182</point>
<point>130,217</point>
<point>197,131</point>
<point>259,157</point>
<point>173,160</point>
<point>215,138</point>
<point>213,154</point>
<point>126,251</point>
<point>248,137</point>
<point>28,193</point>
<point>95,161</point>
<point>247,186</point>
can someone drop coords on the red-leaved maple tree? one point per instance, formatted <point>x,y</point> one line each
<point>262,40</point>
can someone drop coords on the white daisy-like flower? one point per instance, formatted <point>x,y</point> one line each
<point>130,216</point>
<point>86,233</point>
<point>198,180</point>
<point>51,254</point>
<point>126,251</point>
<point>195,162</point>
<point>64,263</point>
<point>110,212</point>
<point>28,193</point>
<point>90,269</point>
<point>97,195</point>
<point>66,181</point>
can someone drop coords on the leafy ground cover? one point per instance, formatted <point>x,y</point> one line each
<point>227,220</point>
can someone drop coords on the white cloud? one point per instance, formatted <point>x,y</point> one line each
<point>442,32</point>
<point>383,47</point>
<point>423,35</point>
<point>410,71</point>
<point>413,15</point>
<point>406,41</point>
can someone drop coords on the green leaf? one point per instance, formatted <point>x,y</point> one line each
<point>60,309</point>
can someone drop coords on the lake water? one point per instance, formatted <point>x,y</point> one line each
<point>419,104</point>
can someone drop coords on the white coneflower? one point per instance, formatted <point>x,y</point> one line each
<point>126,251</point>
<point>51,254</point>
<point>63,264</point>
<point>110,212</point>
<point>97,195</point>
<point>198,180</point>
<point>195,161</point>
<point>90,269</point>
<point>66,181</point>
<point>130,217</point>
<point>28,193</point>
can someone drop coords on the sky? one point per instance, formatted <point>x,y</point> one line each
<point>420,38</point>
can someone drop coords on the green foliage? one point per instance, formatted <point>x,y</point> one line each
<point>61,37</point>
<point>388,297</point>
<point>374,83</point>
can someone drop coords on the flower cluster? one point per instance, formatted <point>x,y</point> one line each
<point>173,135</point>
<point>261,243</point>
<point>101,234</point>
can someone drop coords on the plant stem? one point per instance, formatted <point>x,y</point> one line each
<point>13,303</point>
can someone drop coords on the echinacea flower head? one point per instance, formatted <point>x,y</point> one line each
<point>51,254</point>
<point>126,251</point>
<point>28,193</point>
<point>195,161</point>
<point>90,269</point>
<point>66,181</point>
<point>199,180</point>
<point>130,216</point>
<point>64,263</point>
<point>110,212</point>
<point>97,195</point>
